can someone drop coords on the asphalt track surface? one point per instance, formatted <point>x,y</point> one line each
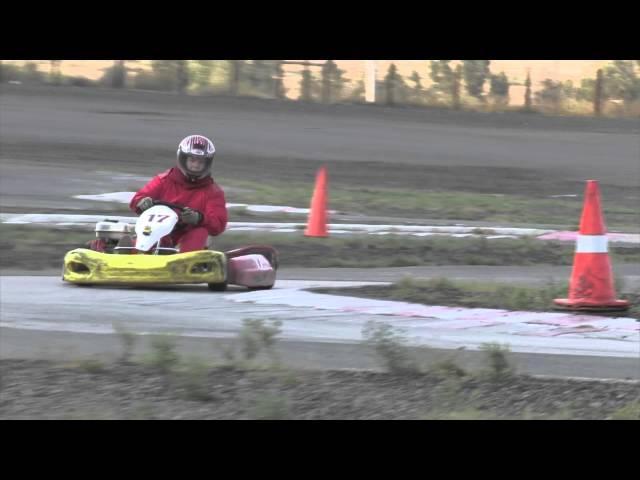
<point>45,317</point>
<point>606,149</point>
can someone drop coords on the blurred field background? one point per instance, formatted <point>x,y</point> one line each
<point>557,87</point>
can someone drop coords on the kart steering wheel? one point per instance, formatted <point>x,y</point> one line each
<point>180,225</point>
<point>170,205</point>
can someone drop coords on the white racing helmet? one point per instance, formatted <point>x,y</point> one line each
<point>197,146</point>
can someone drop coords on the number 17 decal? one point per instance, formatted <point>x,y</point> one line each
<point>160,217</point>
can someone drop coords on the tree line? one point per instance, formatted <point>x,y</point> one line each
<point>453,84</point>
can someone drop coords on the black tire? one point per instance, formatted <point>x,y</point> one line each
<point>261,288</point>
<point>217,287</point>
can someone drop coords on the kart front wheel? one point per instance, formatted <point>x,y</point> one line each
<point>217,287</point>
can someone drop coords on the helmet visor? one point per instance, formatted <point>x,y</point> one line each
<point>194,164</point>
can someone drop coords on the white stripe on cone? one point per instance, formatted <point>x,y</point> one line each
<point>592,244</point>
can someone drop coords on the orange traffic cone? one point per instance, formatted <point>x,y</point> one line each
<point>591,285</point>
<point>317,225</point>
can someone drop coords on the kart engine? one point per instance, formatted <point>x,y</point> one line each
<point>113,230</point>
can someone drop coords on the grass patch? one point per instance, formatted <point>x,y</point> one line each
<point>389,345</point>
<point>634,299</point>
<point>395,250</point>
<point>37,248</point>
<point>447,369</point>
<point>473,413</point>
<point>434,203</point>
<point>445,292</point>
<point>497,360</point>
<point>192,377</point>
<point>466,414</point>
<point>128,340</point>
<point>442,291</point>
<point>241,215</point>
<point>297,250</point>
<point>628,412</point>
<point>255,337</point>
<point>270,407</point>
<point>92,365</point>
<point>163,355</point>
<point>136,391</point>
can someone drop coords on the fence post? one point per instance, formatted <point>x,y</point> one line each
<point>119,74</point>
<point>390,87</point>
<point>328,72</point>
<point>305,85</point>
<point>390,84</point>
<point>234,79</point>
<point>527,93</point>
<point>597,95</point>
<point>54,74</point>
<point>279,84</point>
<point>182,74</point>
<point>455,87</point>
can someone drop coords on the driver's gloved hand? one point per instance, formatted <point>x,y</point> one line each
<point>190,216</point>
<point>145,203</point>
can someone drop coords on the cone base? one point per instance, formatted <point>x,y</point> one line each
<point>612,306</point>
<point>309,234</point>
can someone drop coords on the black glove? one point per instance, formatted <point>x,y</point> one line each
<point>190,216</point>
<point>145,203</point>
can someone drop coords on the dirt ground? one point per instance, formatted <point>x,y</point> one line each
<point>79,130</point>
<point>147,161</point>
<point>41,390</point>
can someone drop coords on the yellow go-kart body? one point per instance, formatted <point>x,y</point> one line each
<point>84,266</point>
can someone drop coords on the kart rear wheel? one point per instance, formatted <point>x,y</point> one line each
<point>217,287</point>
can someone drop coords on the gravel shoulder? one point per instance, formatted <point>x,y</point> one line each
<point>42,390</point>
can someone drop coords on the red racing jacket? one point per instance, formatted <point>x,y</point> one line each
<point>203,195</point>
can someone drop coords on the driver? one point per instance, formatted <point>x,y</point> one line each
<point>189,184</point>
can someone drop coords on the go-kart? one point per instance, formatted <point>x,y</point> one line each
<point>114,258</point>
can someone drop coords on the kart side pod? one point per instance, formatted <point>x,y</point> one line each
<point>253,267</point>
